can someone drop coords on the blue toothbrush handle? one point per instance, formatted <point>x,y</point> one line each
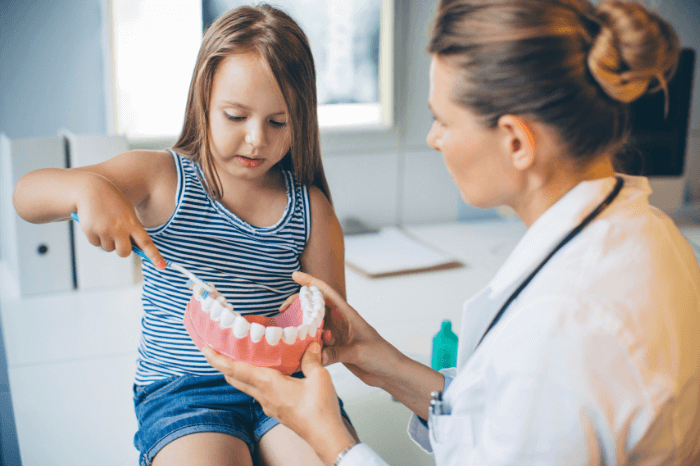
<point>134,248</point>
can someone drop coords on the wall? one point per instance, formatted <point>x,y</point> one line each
<point>51,78</point>
<point>52,67</point>
<point>685,17</point>
<point>52,54</point>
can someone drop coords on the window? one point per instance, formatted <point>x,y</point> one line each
<point>155,44</point>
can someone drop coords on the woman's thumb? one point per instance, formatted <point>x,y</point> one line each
<point>330,355</point>
<point>311,360</point>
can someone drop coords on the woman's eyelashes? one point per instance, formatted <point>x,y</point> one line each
<point>274,123</point>
<point>436,120</point>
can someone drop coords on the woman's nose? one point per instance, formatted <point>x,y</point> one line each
<point>433,137</point>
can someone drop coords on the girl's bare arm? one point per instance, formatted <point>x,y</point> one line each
<point>324,255</point>
<point>112,198</point>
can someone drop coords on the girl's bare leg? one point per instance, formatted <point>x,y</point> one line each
<point>282,447</point>
<point>210,448</point>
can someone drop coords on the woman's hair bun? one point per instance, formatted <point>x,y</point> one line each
<point>635,51</point>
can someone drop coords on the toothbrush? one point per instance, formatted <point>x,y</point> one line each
<point>194,282</point>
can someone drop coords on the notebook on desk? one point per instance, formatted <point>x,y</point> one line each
<point>391,251</point>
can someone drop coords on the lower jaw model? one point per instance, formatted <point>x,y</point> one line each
<point>275,342</point>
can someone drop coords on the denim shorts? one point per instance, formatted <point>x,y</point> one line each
<point>173,407</point>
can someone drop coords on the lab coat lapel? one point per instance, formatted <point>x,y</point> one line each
<point>549,230</point>
<point>477,315</point>
<point>538,241</point>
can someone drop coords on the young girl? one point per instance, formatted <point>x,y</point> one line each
<point>242,201</point>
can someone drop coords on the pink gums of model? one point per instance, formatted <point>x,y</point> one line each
<point>282,356</point>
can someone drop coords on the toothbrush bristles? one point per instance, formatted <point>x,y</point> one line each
<point>194,283</point>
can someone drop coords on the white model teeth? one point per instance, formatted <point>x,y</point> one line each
<point>315,324</point>
<point>216,309</point>
<point>290,334</point>
<point>312,305</point>
<point>273,335</point>
<point>206,304</point>
<point>303,331</point>
<point>241,327</point>
<point>257,331</point>
<point>227,317</point>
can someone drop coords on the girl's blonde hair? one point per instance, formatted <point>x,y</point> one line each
<point>278,40</point>
<point>565,63</point>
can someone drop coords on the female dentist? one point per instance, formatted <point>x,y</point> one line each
<point>583,349</point>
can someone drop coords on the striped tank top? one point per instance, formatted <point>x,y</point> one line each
<point>250,266</point>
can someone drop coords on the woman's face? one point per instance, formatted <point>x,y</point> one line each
<point>473,153</point>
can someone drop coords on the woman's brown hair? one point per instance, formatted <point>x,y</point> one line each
<point>278,40</point>
<point>564,63</point>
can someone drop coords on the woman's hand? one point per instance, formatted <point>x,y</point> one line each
<point>285,305</point>
<point>352,340</point>
<point>308,406</point>
<point>370,357</point>
<point>109,220</point>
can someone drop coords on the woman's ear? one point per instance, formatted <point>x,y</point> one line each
<point>519,141</point>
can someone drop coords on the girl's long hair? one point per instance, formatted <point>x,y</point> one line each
<point>278,40</point>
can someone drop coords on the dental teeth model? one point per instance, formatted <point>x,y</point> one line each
<point>276,342</point>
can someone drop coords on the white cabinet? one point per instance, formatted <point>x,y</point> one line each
<point>39,257</point>
<point>55,257</point>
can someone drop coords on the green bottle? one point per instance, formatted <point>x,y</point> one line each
<point>444,347</point>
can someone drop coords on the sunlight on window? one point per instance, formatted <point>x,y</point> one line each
<point>155,44</point>
<point>349,115</point>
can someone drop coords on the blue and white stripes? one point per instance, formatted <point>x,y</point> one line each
<point>250,266</point>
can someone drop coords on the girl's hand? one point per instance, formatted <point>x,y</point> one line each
<point>109,221</point>
<point>308,406</point>
<point>352,340</point>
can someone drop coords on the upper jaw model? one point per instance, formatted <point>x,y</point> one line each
<point>276,342</point>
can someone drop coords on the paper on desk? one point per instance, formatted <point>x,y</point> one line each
<point>393,252</point>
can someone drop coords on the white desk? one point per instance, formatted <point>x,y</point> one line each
<point>71,363</point>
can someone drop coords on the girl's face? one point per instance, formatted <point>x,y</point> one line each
<point>473,152</point>
<point>249,128</point>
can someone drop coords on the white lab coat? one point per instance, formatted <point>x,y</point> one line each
<point>597,362</point>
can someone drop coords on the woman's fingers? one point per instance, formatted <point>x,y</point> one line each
<point>288,302</point>
<point>339,308</point>
<point>328,337</point>
<point>329,294</point>
<point>239,374</point>
<point>311,361</point>
<point>330,355</point>
<point>254,380</point>
<point>307,406</point>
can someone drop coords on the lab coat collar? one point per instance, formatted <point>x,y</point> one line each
<point>557,222</point>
